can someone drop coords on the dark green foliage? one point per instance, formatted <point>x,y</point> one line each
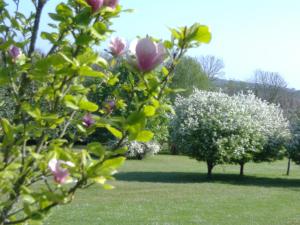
<point>188,75</point>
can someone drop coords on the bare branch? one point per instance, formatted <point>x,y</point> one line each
<point>212,66</point>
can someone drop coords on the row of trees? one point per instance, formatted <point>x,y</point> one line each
<point>217,128</point>
<point>268,86</point>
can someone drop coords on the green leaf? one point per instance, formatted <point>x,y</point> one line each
<point>99,180</point>
<point>136,117</point>
<point>106,168</point>
<point>88,71</point>
<point>35,112</point>
<point>56,17</point>
<point>88,106</point>
<point>114,131</point>
<point>83,17</point>
<point>176,34</point>
<point>113,80</point>
<point>203,34</point>
<point>64,10</point>
<point>199,33</point>
<point>71,102</point>
<point>113,163</point>
<point>96,148</point>
<point>52,37</point>
<point>4,77</point>
<point>8,131</point>
<point>165,71</point>
<point>28,199</point>
<point>100,28</point>
<point>149,110</point>
<point>168,44</point>
<point>144,136</point>
<point>84,39</point>
<point>66,58</point>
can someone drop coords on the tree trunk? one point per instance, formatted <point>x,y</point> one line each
<point>209,169</point>
<point>242,169</point>
<point>288,167</point>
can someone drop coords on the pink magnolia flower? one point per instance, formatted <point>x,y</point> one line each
<point>148,54</point>
<point>60,174</point>
<point>117,46</point>
<point>95,4</point>
<point>111,3</point>
<point>88,120</point>
<point>15,52</point>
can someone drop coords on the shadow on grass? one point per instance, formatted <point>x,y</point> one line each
<point>184,177</point>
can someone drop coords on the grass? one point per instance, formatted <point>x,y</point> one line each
<point>174,190</point>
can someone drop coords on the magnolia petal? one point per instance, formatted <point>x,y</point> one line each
<point>111,3</point>
<point>146,52</point>
<point>95,4</point>
<point>117,46</point>
<point>52,164</point>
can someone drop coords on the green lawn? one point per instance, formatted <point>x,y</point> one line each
<point>174,190</point>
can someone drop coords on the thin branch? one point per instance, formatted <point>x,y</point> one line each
<point>67,124</point>
<point>40,6</point>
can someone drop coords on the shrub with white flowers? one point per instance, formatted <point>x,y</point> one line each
<point>138,150</point>
<point>217,128</point>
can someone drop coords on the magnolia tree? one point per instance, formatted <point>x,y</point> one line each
<point>49,97</point>
<point>217,128</point>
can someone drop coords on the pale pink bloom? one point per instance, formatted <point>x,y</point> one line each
<point>111,3</point>
<point>149,54</point>
<point>95,4</point>
<point>117,46</point>
<point>60,174</point>
<point>15,52</point>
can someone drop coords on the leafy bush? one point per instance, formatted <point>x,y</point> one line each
<point>217,128</point>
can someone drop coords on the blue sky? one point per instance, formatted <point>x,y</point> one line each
<point>247,35</point>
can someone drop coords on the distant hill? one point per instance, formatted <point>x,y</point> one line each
<point>287,98</point>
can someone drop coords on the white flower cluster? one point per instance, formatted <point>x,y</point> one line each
<point>140,150</point>
<point>217,127</point>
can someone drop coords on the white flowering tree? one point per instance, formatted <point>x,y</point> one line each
<point>217,128</point>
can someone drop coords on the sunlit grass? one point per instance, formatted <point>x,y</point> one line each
<point>174,190</point>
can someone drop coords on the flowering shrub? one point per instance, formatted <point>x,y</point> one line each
<point>139,150</point>
<point>50,94</point>
<point>217,128</point>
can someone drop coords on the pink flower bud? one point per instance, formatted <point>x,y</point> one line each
<point>60,174</point>
<point>15,52</point>
<point>117,46</point>
<point>149,54</point>
<point>88,120</point>
<point>111,3</point>
<point>95,4</point>
<point>110,106</point>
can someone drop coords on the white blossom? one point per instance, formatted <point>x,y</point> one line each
<point>215,126</point>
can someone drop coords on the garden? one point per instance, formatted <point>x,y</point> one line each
<point>137,132</point>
